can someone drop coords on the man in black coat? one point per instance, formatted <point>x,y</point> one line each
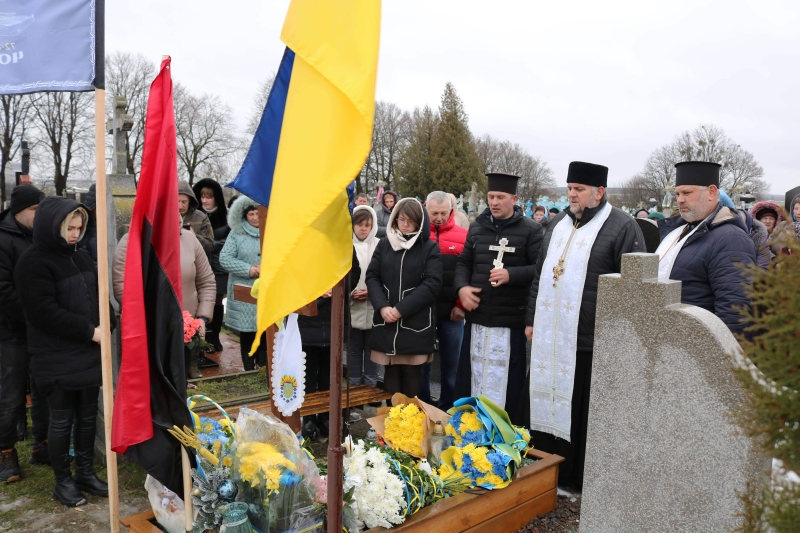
<point>16,234</point>
<point>493,277</point>
<point>705,246</point>
<point>582,243</point>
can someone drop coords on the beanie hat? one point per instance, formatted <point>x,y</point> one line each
<point>24,196</point>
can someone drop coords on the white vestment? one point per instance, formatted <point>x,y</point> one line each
<point>555,324</point>
<point>490,351</point>
<point>668,250</point>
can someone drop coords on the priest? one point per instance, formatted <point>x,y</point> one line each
<point>493,277</point>
<point>582,243</point>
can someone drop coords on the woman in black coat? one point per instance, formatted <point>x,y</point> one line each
<point>57,287</point>
<point>209,193</point>
<point>403,281</point>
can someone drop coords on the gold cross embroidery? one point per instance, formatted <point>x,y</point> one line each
<point>558,270</point>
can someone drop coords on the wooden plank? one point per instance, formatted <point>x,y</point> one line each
<point>140,523</point>
<point>464,511</point>
<point>518,517</point>
<point>146,515</point>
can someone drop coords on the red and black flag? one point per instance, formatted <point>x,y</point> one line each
<point>151,390</point>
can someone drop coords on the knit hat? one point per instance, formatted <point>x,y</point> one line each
<point>655,215</point>
<point>91,197</point>
<point>24,196</point>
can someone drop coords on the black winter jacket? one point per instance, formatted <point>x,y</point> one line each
<point>316,330</point>
<point>408,280</point>
<point>502,306</point>
<point>14,240</point>
<point>219,222</point>
<point>619,235</point>
<point>57,286</point>
<point>709,265</point>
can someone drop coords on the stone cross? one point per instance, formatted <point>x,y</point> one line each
<point>498,263</point>
<point>118,127</point>
<point>662,453</point>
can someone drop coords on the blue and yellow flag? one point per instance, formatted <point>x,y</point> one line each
<point>313,138</point>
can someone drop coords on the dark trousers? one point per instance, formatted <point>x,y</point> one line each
<point>318,368</point>
<point>517,382</point>
<point>450,335</point>
<point>570,472</point>
<point>15,370</point>
<point>403,378</point>
<point>68,407</point>
<point>246,339</point>
<point>359,364</point>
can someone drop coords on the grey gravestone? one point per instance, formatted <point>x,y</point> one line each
<point>661,452</point>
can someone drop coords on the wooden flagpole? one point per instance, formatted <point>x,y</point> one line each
<point>103,298</point>
<point>335,448</point>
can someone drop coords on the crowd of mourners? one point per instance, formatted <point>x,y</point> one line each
<point>483,295</point>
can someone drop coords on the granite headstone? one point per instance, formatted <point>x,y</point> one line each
<point>662,453</point>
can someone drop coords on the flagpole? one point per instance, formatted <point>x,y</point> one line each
<point>103,298</point>
<point>335,448</point>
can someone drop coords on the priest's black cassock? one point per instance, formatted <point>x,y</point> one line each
<point>596,241</point>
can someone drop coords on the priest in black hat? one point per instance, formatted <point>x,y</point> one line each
<point>582,243</point>
<point>493,278</point>
<point>705,245</point>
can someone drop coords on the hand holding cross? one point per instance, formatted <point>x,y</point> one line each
<point>498,275</point>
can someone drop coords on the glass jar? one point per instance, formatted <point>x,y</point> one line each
<point>234,519</point>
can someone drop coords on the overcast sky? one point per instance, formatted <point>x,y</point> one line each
<point>604,82</point>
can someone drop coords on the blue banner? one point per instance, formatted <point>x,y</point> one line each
<point>48,45</point>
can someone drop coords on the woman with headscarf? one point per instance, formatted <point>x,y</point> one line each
<point>57,287</point>
<point>359,364</point>
<point>213,203</point>
<point>384,211</point>
<point>403,280</point>
<point>241,258</point>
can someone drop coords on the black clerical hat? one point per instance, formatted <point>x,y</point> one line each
<point>587,174</point>
<point>502,182</point>
<point>702,173</point>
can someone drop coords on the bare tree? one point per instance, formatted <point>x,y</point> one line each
<point>130,76</point>
<point>259,103</point>
<point>64,122</point>
<point>389,137</point>
<point>14,111</point>
<point>740,171</point>
<point>635,192</point>
<point>205,131</point>
<point>505,156</point>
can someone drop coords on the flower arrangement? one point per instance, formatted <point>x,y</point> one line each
<point>260,463</point>
<point>191,332</point>
<point>378,493</point>
<point>465,427</point>
<point>485,466</point>
<point>405,428</point>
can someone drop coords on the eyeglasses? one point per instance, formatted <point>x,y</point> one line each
<point>403,220</point>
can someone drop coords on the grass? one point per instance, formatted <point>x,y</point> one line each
<point>233,386</point>
<point>37,483</point>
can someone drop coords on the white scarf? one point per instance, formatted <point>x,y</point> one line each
<point>364,249</point>
<point>555,325</point>
<point>397,239</point>
<point>668,250</point>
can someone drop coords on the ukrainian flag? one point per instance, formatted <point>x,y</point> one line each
<point>313,138</point>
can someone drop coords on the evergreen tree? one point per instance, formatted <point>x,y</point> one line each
<point>455,165</point>
<point>771,414</point>
<point>414,165</point>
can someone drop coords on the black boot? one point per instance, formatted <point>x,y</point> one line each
<point>205,362</point>
<point>9,466</point>
<point>323,424</point>
<point>214,327</point>
<point>58,441</point>
<point>40,454</point>
<point>85,478</point>
<point>309,430</point>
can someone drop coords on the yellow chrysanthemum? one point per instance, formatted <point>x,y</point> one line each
<point>405,428</point>
<point>259,462</point>
<point>227,462</point>
<point>470,422</point>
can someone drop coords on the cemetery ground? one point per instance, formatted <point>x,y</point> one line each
<point>28,505</point>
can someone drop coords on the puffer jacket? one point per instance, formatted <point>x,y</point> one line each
<point>384,213</point>
<point>451,238</point>
<point>14,240</point>
<point>241,251</point>
<point>783,236</point>
<point>361,311</point>
<point>219,223</point>
<point>58,290</point>
<point>759,235</point>
<point>709,264</point>
<point>502,306</point>
<point>408,279</point>
<point>619,235</point>
<point>196,219</point>
<point>197,278</point>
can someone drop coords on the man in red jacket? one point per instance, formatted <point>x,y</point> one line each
<point>449,313</point>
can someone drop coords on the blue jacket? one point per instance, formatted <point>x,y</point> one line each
<point>709,265</point>
<point>240,252</point>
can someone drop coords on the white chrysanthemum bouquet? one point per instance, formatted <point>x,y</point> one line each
<point>378,493</point>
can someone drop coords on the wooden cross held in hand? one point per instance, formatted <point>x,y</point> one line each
<point>498,263</point>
